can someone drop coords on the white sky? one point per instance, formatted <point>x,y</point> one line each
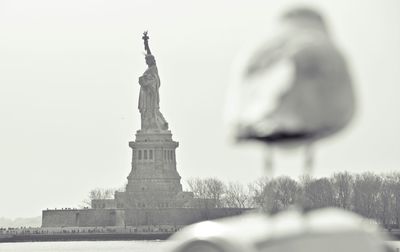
<point>68,91</point>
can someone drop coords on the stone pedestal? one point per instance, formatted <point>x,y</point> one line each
<point>153,180</point>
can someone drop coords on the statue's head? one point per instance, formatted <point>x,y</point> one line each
<point>150,60</point>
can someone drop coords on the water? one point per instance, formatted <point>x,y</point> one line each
<point>87,246</point>
<point>395,244</point>
<point>95,246</point>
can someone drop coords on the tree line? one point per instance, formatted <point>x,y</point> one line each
<point>370,195</point>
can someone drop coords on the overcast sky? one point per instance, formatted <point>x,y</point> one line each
<point>69,90</point>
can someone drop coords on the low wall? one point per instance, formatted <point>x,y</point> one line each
<point>133,217</point>
<point>176,216</point>
<point>83,218</point>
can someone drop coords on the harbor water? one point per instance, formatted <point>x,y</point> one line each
<point>99,246</point>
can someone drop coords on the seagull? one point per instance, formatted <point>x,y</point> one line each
<point>295,88</point>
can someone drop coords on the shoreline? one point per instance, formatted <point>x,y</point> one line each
<point>83,237</point>
<point>86,233</point>
<point>109,235</point>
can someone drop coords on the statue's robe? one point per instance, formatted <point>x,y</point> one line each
<point>149,100</point>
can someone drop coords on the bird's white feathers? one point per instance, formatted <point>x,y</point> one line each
<point>293,85</point>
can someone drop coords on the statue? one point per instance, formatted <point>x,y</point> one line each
<point>149,98</point>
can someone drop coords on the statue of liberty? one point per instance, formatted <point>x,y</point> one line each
<point>149,98</point>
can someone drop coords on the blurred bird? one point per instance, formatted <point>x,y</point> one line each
<point>292,91</point>
<point>295,89</point>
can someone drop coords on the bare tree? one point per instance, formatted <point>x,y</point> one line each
<point>197,186</point>
<point>208,191</point>
<point>280,193</point>
<point>215,189</point>
<point>99,194</point>
<point>342,184</point>
<point>367,188</point>
<point>270,194</point>
<point>396,185</point>
<point>288,191</point>
<point>389,210</point>
<point>368,194</point>
<point>257,193</point>
<point>236,196</point>
<point>318,193</point>
<point>396,190</point>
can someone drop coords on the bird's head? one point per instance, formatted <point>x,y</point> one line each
<point>304,17</point>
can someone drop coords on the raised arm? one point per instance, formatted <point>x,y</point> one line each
<point>146,42</point>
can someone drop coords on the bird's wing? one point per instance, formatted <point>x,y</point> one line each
<point>254,96</point>
<point>261,92</point>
